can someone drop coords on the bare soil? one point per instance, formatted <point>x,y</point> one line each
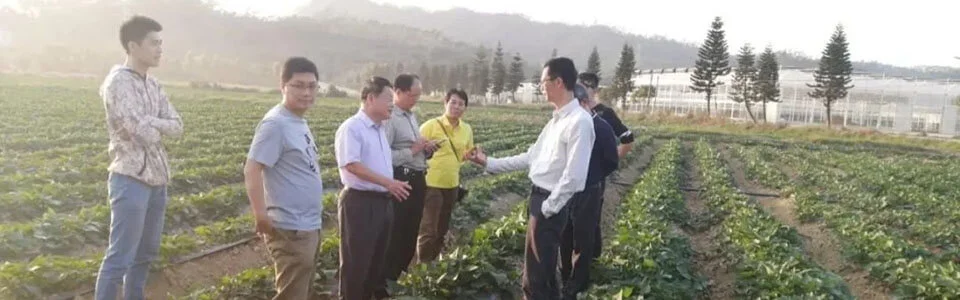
<point>182,279</point>
<point>818,242</point>
<point>620,183</point>
<point>710,259</point>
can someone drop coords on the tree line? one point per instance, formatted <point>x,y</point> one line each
<point>755,80</point>
<point>488,73</point>
<point>758,81</point>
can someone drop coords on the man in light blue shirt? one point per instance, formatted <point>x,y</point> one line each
<point>283,182</point>
<point>366,202</point>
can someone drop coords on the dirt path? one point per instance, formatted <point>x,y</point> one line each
<point>703,232</point>
<point>620,183</point>
<point>504,203</point>
<point>819,244</point>
<point>182,279</point>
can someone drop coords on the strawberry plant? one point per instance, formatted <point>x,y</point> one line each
<point>647,259</point>
<point>824,192</point>
<point>772,263</point>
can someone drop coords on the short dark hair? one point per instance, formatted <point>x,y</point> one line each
<point>459,93</point>
<point>136,29</point>
<point>590,80</point>
<point>564,68</point>
<point>404,82</point>
<point>374,86</point>
<point>296,65</point>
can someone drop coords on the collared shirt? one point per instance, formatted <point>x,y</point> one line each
<point>608,114</point>
<point>559,159</point>
<point>361,140</point>
<point>402,131</point>
<point>603,159</point>
<point>294,191</point>
<point>445,164</point>
<point>138,113</point>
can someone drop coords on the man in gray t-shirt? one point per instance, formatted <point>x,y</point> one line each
<point>284,145</point>
<point>283,183</point>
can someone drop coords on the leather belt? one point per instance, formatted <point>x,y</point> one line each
<point>408,171</point>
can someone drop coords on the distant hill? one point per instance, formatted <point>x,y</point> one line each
<point>535,40</point>
<point>205,44</point>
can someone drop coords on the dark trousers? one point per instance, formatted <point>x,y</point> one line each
<point>542,243</point>
<point>578,240</point>
<point>365,219</point>
<point>598,242</point>
<point>406,223</point>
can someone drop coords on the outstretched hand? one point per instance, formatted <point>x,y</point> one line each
<point>477,156</point>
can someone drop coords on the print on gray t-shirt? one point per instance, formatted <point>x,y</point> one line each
<point>294,191</point>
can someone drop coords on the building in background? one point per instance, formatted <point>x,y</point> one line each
<point>876,101</point>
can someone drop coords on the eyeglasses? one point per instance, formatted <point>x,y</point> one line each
<point>303,86</point>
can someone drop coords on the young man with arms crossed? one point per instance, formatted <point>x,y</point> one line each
<point>366,202</point>
<point>283,182</point>
<point>557,164</point>
<point>138,113</point>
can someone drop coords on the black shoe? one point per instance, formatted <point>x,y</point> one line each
<point>381,294</point>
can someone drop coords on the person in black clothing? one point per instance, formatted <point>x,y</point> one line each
<point>625,138</point>
<point>591,82</point>
<point>579,236</point>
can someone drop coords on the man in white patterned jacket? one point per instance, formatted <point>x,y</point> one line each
<point>138,114</point>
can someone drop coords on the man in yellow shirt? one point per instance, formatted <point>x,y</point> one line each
<point>454,139</point>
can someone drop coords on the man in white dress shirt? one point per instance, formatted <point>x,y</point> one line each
<point>557,164</point>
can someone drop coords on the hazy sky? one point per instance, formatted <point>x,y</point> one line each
<point>906,33</point>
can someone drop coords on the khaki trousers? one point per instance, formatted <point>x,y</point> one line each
<point>437,208</point>
<point>294,256</point>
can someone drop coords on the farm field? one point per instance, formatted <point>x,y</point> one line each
<point>690,214</point>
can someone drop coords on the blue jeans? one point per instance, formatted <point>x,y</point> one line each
<point>136,225</point>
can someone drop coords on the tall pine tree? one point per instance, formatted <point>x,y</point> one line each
<point>400,70</point>
<point>453,75</point>
<point>498,74</point>
<point>426,78</point>
<point>554,53</point>
<point>593,63</point>
<point>623,79</point>
<point>515,77</point>
<point>744,79</point>
<point>713,62</point>
<point>438,77</point>
<point>464,81</point>
<point>832,78</point>
<point>535,82</point>
<point>480,77</point>
<point>768,80</point>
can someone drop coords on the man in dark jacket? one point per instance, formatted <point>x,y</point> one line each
<point>623,134</point>
<point>578,238</point>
